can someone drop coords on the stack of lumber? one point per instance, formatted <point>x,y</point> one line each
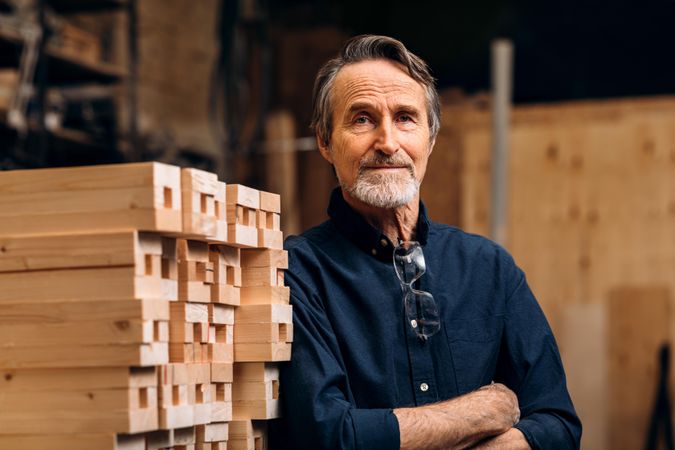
<point>142,307</point>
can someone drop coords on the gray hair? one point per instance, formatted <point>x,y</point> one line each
<point>362,48</point>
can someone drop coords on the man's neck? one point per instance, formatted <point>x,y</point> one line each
<point>397,223</point>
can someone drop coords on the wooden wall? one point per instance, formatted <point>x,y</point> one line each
<point>591,210</point>
<point>177,50</point>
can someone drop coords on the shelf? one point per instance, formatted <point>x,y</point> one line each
<point>62,68</point>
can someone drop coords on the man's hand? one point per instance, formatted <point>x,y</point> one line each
<point>460,422</point>
<point>511,440</point>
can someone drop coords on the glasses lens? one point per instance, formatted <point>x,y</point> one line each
<point>422,313</point>
<point>409,262</point>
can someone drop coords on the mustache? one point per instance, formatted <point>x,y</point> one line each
<point>385,160</point>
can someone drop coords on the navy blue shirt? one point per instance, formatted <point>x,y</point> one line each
<point>355,357</point>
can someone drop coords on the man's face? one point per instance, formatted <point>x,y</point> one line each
<point>380,140</point>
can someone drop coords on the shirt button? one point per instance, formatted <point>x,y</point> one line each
<point>413,323</point>
<point>374,252</point>
<point>383,242</point>
<point>424,387</point>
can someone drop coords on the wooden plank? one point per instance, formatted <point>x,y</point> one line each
<point>221,372</point>
<point>264,409</point>
<point>189,312</point>
<point>59,312</point>
<point>263,313</point>
<point>638,324</point>
<point>221,411</point>
<point>242,215</point>
<point>199,189</point>
<point>181,352</point>
<point>221,353</point>
<point>178,416</point>
<point>583,348</point>
<point>203,182</point>
<point>224,334</point>
<point>241,429</point>
<point>78,378</point>
<point>171,395</point>
<point>262,276</point>
<point>184,374</point>
<point>226,274</point>
<point>270,238</point>
<point>107,176</point>
<point>242,236</point>
<point>224,255</point>
<point>95,420</point>
<point>225,294</point>
<point>92,201</point>
<point>263,332</point>
<point>212,432</point>
<point>265,295</point>
<point>84,356</point>
<point>168,221</point>
<point>192,250</point>
<point>255,390</point>
<point>270,202</point>
<point>223,392</point>
<point>238,194</point>
<point>262,352</point>
<point>221,314</point>
<point>42,402</point>
<point>194,291</point>
<point>141,196</point>
<point>182,333</point>
<point>257,371</point>
<point>169,258</point>
<point>196,271</point>
<point>202,413</point>
<point>264,258</point>
<point>125,331</point>
<point>107,283</point>
<point>79,441</point>
<point>220,205</point>
<point>247,435</point>
<point>60,251</point>
<point>268,220</point>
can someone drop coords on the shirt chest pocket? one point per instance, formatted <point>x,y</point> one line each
<point>474,344</point>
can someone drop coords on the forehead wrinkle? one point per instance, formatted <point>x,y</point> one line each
<point>363,94</point>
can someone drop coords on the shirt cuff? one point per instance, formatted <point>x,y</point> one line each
<point>376,428</point>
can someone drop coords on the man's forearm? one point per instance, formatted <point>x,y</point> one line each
<point>458,423</point>
<point>511,440</point>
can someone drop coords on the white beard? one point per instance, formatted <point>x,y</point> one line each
<point>384,190</point>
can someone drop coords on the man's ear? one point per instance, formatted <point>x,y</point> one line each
<point>431,146</point>
<point>323,148</point>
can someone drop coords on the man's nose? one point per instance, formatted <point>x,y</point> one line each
<point>386,139</point>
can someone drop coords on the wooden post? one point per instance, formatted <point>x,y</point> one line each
<point>282,174</point>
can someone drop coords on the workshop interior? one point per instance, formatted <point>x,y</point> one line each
<point>557,141</point>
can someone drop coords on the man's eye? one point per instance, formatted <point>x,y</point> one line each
<point>405,118</point>
<point>361,120</point>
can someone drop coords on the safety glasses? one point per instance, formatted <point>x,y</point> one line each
<point>420,307</point>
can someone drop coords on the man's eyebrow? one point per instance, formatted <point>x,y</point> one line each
<point>407,109</point>
<point>365,106</point>
<point>359,106</point>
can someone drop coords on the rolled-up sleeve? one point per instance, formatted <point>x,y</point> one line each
<point>530,364</point>
<point>318,410</point>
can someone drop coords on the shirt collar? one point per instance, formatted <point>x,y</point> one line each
<point>372,241</point>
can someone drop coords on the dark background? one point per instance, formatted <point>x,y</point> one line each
<point>563,50</point>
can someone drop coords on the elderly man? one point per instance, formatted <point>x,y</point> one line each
<point>408,334</point>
